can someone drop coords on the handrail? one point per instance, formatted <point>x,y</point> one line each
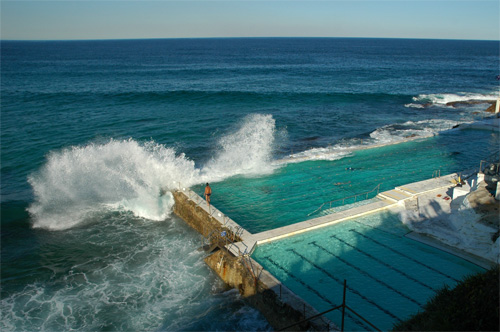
<point>436,173</point>
<point>343,199</point>
<point>343,306</point>
<point>215,237</point>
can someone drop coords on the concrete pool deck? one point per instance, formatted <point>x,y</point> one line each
<point>237,268</point>
<point>385,200</point>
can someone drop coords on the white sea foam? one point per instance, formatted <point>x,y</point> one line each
<point>129,277</point>
<point>411,129</point>
<point>77,183</point>
<point>389,134</point>
<point>329,153</point>
<point>441,99</point>
<point>413,105</point>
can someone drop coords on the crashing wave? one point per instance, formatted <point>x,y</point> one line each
<point>78,183</point>
<point>451,99</point>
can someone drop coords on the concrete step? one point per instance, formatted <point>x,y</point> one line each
<point>406,190</point>
<point>394,195</point>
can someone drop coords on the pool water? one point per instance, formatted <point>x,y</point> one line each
<point>389,276</point>
<point>294,191</point>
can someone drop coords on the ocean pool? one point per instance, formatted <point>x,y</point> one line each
<point>295,190</point>
<point>389,276</point>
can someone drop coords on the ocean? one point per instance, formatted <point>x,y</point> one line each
<point>93,131</point>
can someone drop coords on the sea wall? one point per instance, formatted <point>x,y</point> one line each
<point>194,211</point>
<point>278,304</point>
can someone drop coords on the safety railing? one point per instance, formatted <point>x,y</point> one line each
<point>341,307</point>
<point>377,188</point>
<point>436,173</point>
<point>225,237</point>
<point>220,238</point>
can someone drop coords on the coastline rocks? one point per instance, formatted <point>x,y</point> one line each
<point>490,109</point>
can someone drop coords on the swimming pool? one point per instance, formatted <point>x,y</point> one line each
<point>295,190</point>
<point>389,276</point>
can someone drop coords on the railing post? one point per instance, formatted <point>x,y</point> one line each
<point>343,307</point>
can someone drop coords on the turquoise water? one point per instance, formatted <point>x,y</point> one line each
<point>389,277</point>
<point>294,191</point>
<point>92,131</point>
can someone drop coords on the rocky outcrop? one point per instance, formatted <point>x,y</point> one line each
<point>473,102</point>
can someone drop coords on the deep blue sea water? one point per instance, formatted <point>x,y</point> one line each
<point>92,130</point>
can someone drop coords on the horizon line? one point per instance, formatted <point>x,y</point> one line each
<point>256,37</point>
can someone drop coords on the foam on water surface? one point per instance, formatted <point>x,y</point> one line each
<point>292,192</point>
<point>446,99</point>
<point>126,274</point>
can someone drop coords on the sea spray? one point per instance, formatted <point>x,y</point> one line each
<point>248,150</point>
<point>79,182</point>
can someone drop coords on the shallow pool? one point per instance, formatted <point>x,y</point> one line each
<point>389,276</point>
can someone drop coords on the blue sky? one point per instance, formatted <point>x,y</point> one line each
<point>117,19</point>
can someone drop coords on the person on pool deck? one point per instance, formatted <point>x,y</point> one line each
<point>208,192</point>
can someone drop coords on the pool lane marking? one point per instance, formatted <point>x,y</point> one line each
<point>314,291</point>
<point>387,312</point>
<point>301,282</point>
<point>384,263</point>
<point>367,274</point>
<point>404,255</point>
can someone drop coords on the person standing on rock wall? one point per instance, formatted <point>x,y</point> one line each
<point>208,192</point>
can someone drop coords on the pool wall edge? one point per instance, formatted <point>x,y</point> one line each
<point>279,305</point>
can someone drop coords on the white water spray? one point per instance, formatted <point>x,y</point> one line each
<point>246,151</point>
<point>79,183</point>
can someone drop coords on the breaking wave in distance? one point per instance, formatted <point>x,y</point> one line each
<point>385,135</point>
<point>411,129</point>
<point>443,99</point>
